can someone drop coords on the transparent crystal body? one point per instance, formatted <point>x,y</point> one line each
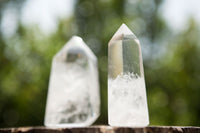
<point>73,95</point>
<point>127,101</point>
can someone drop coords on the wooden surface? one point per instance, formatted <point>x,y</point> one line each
<point>102,129</point>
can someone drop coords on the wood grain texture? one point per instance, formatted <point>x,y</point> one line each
<point>102,129</point>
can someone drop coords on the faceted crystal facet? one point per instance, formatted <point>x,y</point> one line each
<point>127,101</point>
<point>73,94</point>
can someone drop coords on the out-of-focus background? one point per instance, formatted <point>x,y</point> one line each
<point>32,31</point>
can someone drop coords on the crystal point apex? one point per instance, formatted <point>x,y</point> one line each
<point>121,32</point>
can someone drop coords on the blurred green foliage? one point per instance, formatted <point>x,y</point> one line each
<point>171,61</point>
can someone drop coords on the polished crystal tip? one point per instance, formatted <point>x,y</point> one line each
<point>121,33</point>
<point>127,101</point>
<point>73,94</point>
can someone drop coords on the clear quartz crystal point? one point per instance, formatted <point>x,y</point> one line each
<point>73,96</point>
<point>127,101</point>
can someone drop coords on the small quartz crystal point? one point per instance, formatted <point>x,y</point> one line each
<point>127,101</point>
<point>73,95</point>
